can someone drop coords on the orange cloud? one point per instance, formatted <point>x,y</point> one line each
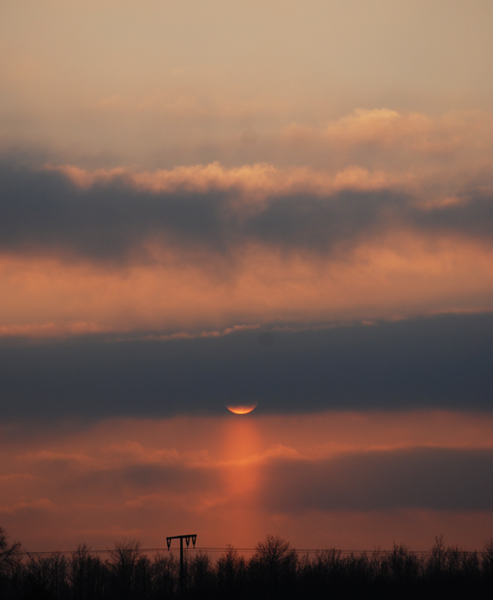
<point>253,182</point>
<point>299,246</point>
<point>366,149</point>
<point>394,277</point>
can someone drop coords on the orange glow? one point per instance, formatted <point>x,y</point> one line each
<point>240,458</point>
<point>241,409</point>
<point>393,277</point>
<point>230,453</point>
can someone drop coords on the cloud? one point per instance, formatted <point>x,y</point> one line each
<point>414,478</point>
<point>117,217</point>
<point>44,210</point>
<point>138,479</point>
<point>412,133</point>
<point>93,476</point>
<point>404,141</point>
<point>435,362</point>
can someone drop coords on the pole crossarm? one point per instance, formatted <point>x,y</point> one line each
<point>187,538</point>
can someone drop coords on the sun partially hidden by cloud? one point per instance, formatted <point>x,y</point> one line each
<point>241,409</point>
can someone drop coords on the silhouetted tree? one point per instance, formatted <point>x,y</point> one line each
<point>201,580</point>
<point>131,571</point>
<point>487,561</point>
<point>231,573</point>
<point>88,575</point>
<point>10,554</point>
<point>273,572</point>
<point>10,557</point>
<point>46,577</point>
<point>274,566</point>
<point>165,575</point>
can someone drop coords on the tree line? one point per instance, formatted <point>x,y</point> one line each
<point>274,571</point>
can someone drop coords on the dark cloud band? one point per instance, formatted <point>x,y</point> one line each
<point>439,362</point>
<point>44,211</point>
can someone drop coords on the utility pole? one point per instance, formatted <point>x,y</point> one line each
<point>187,539</point>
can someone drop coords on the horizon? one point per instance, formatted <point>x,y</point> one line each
<point>135,545</point>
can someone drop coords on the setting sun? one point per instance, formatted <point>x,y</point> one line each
<point>241,409</point>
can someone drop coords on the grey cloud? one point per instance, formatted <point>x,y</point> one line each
<point>178,478</point>
<point>44,211</point>
<point>472,216</point>
<point>436,362</point>
<point>147,478</point>
<point>71,478</point>
<point>416,478</point>
<point>30,515</point>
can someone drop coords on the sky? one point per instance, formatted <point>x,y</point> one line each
<point>210,204</point>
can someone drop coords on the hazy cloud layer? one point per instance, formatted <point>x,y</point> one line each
<point>430,362</point>
<point>45,211</point>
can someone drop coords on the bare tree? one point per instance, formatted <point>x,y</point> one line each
<point>10,554</point>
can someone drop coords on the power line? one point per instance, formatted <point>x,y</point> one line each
<point>204,549</point>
